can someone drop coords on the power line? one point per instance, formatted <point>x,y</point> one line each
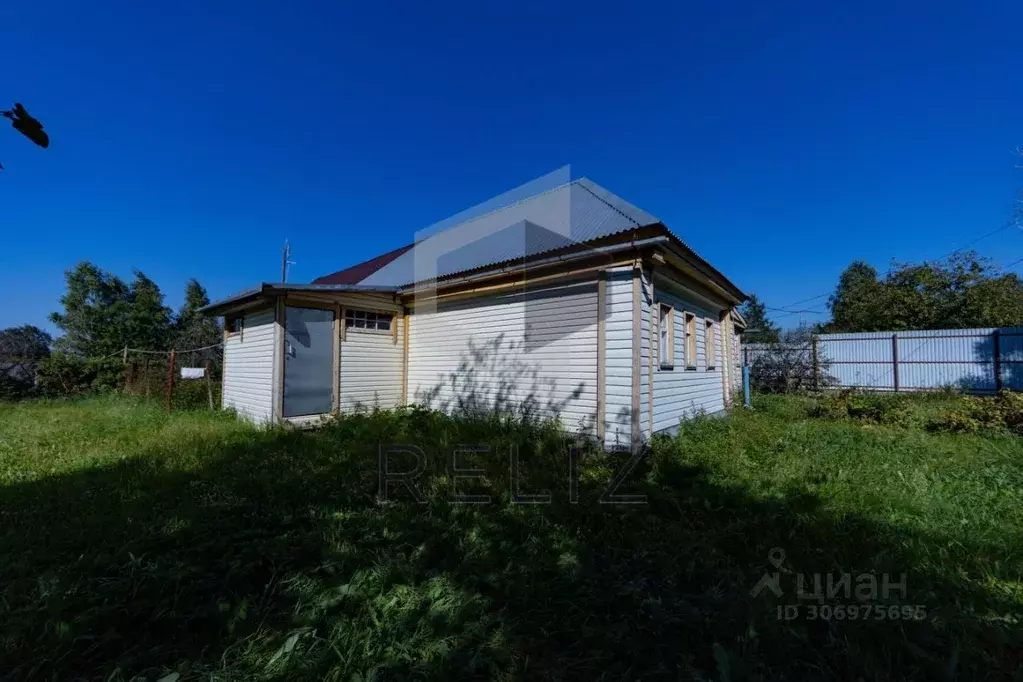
<point>982,237</point>
<point>949,254</point>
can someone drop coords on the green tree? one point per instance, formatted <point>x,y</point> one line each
<point>959,292</point>
<point>101,315</point>
<point>761,329</point>
<point>21,351</point>
<point>191,328</point>
<point>149,320</point>
<point>857,299</point>
<point>95,312</point>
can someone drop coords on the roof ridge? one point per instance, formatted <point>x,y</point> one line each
<point>507,206</point>
<point>608,203</point>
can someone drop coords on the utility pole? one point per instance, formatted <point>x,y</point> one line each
<point>285,261</point>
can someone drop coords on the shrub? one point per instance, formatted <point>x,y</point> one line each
<point>1004,411</point>
<point>64,375</point>
<point>789,366</point>
<point>870,408</point>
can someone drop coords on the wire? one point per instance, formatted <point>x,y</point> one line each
<point>969,244</point>
<point>167,352</point>
<point>807,300</point>
<point>950,253</point>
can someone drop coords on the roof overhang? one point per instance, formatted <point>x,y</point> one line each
<point>654,238</point>
<point>268,291</point>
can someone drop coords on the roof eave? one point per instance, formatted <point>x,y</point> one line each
<point>269,290</point>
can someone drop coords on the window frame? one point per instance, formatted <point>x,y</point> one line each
<point>710,351</point>
<point>665,336</point>
<point>690,328</point>
<point>373,321</point>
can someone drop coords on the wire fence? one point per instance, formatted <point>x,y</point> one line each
<point>979,361</point>
<point>180,379</point>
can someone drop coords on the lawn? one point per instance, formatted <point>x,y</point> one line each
<point>140,545</point>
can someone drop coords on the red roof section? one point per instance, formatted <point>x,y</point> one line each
<point>361,271</point>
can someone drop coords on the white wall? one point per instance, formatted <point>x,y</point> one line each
<point>618,353</point>
<point>371,364</point>
<point>535,348</point>
<point>249,367</point>
<point>683,392</point>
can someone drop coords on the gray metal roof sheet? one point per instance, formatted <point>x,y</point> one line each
<point>574,213</point>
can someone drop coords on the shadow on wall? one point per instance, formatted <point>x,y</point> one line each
<point>1010,354</point>
<point>496,376</point>
<point>273,559</point>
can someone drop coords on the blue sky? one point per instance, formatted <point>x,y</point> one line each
<point>781,140</point>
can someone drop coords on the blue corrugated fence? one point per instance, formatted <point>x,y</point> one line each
<point>973,360</point>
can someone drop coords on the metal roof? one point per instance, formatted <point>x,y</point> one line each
<point>268,289</point>
<point>575,213</point>
<point>360,271</point>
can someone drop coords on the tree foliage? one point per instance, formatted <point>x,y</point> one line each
<point>21,351</point>
<point>192,329</point>
<point>760,328</point>
<point>960,292</point>
<point>102,314</point>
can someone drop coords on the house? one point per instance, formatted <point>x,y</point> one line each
<point>570,303</point>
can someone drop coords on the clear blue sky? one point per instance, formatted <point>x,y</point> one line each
<point>781,140</point>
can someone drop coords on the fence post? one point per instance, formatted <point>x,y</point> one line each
<point>209,383</point>
<point>895,361</point>
<point>816,362</point>
<point>998,360</point>
<point>170,380</point>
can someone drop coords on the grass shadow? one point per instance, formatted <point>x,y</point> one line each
<point>272,557</point>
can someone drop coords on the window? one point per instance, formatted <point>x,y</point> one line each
<point>364,319</point>
<point>666,346</point>
<point>690,341</point>
<point>708,344</point>
<point>236,324</point>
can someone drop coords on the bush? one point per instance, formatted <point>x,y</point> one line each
<point>1004,411</point>
<point>869,408</point>
<point>65,375</point>
<point>789,366</point>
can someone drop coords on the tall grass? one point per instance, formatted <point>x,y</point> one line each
<point>137,545</point>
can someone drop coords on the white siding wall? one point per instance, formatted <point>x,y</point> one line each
<point>537,349</point>
<point>371,368</point>
<point>618,353</point>
<point>646,301</point>
<point>249,367</point>
<point>682,392</point>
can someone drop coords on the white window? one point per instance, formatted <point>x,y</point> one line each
<point>365,319</point>
<point>690,341</point>
<point>708,343</point>
<point>666,326</point>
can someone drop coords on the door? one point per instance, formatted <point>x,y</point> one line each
<point>308,361</point>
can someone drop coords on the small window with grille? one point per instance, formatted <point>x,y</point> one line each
<point>367,319</point>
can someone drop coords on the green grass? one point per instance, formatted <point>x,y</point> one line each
<point>136,545</point>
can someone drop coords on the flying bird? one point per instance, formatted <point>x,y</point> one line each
<point>28,126</point>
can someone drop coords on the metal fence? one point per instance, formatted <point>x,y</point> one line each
<point>970,360</point>
<point>188,379</point>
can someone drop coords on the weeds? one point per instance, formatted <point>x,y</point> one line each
<point>138,545</point>
<point>974,414</point>
<point>870,408</point>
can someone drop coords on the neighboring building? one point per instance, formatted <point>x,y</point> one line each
<point>571,304</point>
